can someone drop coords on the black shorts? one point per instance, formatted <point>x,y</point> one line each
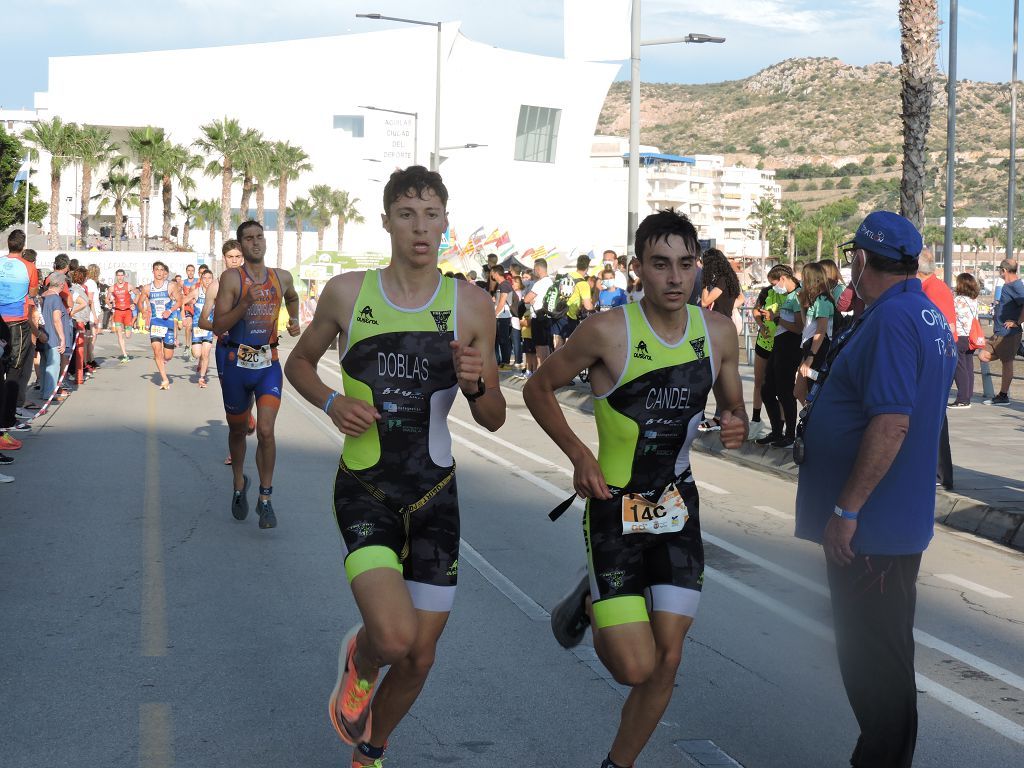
<point>540,329</point>
<point>529,347</point>
<point>761,352</point>
<point>631,575</point>
<point>819,358</point>
<point>373,536</point>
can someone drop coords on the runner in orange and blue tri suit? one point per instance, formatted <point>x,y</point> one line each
<point>189,292</point>
<point>248,301</point>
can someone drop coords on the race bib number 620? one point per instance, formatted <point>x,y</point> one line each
<point>666,515</point>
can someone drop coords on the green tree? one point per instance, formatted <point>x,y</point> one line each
<point>189,209</point>
<point>287,163</point>
<point>919,42</point>
<point>93,149</point>
<point>121,188</point>
<point>763,217</point>
<point>251,152</point>
<point>208,216</point>
<point>175,162</point>
<point>790,216</point>
<point>223,139</point>
<point>320,196</point>
<point>12,204</point>
<point>344,207</point>
<point>56,138</point>
<point>146,146</point>
<point>299,212</point>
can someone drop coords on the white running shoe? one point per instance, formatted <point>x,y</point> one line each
<point>6,479</point>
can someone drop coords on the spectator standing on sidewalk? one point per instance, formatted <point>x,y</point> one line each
<point>777,392</point>
<point>1006,329</point>
<point>866,485</point>
<point>942,297</point>
<point>19,284</point>
<point>502,292</point>
<point>540,325</point>
<point>966,304</point>
<point>58,333</point>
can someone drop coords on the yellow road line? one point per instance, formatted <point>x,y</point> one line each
<point>154,613</point>
<point>155,736</point>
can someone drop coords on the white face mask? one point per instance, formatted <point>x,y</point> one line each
<point>608,284</point>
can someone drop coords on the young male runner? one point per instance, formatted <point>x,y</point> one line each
<point>248,300</point>
<point>189,289</point>
<point>652,365</point>
<point>119,298</point>
<point>159,300</point>
<point>202,339</point>
<point>231,250</point>
<point>410,340</point>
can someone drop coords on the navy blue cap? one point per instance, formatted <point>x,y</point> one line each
<point>888,234</point>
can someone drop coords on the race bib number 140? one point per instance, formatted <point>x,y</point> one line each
<point>666,515</point>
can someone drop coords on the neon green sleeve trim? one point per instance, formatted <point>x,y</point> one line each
<point>368,558</point>
<point>620,610</point>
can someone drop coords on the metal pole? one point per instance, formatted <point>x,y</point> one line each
<point>415,138</point>
<point>632,219</point>
<point>28,182</point>
<point>947,255</point>
<point>1011,197</point>
<point>435,160</point>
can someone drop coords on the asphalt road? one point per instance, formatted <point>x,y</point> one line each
<point>143,626</point>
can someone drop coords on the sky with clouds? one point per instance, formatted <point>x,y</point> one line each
<point>758,32</point>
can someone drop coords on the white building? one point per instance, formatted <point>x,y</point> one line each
<point>536,171</point>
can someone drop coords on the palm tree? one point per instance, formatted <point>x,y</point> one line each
<point>223,139</point>
<point>146,146</point>
<point>344,208</point>
<point>261,169</point>
<point>121,189</point>
<point>189,208</point>
<point>320,196</point>
<point>789,217</point>
<point>287,163</point>
<point>92,148</point>
<point>919,41</point>
<point>251,151</point>
<point>763,217</point>
<point>57,138</point>
<point>174,162</point>
<point>822,220</point>
<point>208,216</point>
<point>299,212</point>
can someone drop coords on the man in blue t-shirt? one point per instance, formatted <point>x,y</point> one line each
<point>866,491</point>
<point>1006,328</point>
<point>611,295</point>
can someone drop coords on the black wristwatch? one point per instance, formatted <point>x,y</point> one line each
<point>480,391</point>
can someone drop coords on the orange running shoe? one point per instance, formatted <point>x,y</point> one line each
<point>8,443</point>
<point>349,705</point>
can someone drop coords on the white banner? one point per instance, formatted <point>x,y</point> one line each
<point>597,30</point>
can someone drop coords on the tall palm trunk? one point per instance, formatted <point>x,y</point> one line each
<point>246,196</point>
<point>166,191</point>
<point>145,190</point>
<point>225,201</point>
<point>260,204</point>
<point>919,38</point>
<point>821,234</point>
<point>83,217</point>
<point>298,241</point>
<point>54,204</point>
<point>282,211</point>
<point>320,229</point>
<point>118,219</point>
<point>213,240</point>
<point>184,234</point>
<point>791,244</point>
<point>341,232</point>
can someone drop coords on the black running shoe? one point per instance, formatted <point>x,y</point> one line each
<point>5,459</point>
<point>784,442</point>
<point>768,439</point>
<point>240,500</point>
<point>266,510</point>
<point>569,620</point>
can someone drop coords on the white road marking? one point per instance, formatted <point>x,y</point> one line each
<point>712,488</point>
<point>500,582</point>
<point>774,512</point>
<point>1013,488</point>
<point>973,586</point>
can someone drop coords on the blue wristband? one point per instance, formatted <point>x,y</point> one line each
<point>845,513</point>
<point>330,401</point>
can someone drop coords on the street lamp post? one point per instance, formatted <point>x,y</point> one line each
<point>632,219</point>
<point>1011,196</point>
<point>415,127</point>
<point>947,248</point>
<point>434,160</point>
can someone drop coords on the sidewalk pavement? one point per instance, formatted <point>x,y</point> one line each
<point>987,444</point>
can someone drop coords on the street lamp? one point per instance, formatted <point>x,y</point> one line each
<point>415,127</point>
<point>1011,197</point>
<point>947,250</point>
<point>634,113</point>
<point>437,78</point>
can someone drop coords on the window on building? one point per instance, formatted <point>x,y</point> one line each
<point>537,134</point>
<point>351,124</point>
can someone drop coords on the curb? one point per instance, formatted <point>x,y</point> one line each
<point>953,510</point>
